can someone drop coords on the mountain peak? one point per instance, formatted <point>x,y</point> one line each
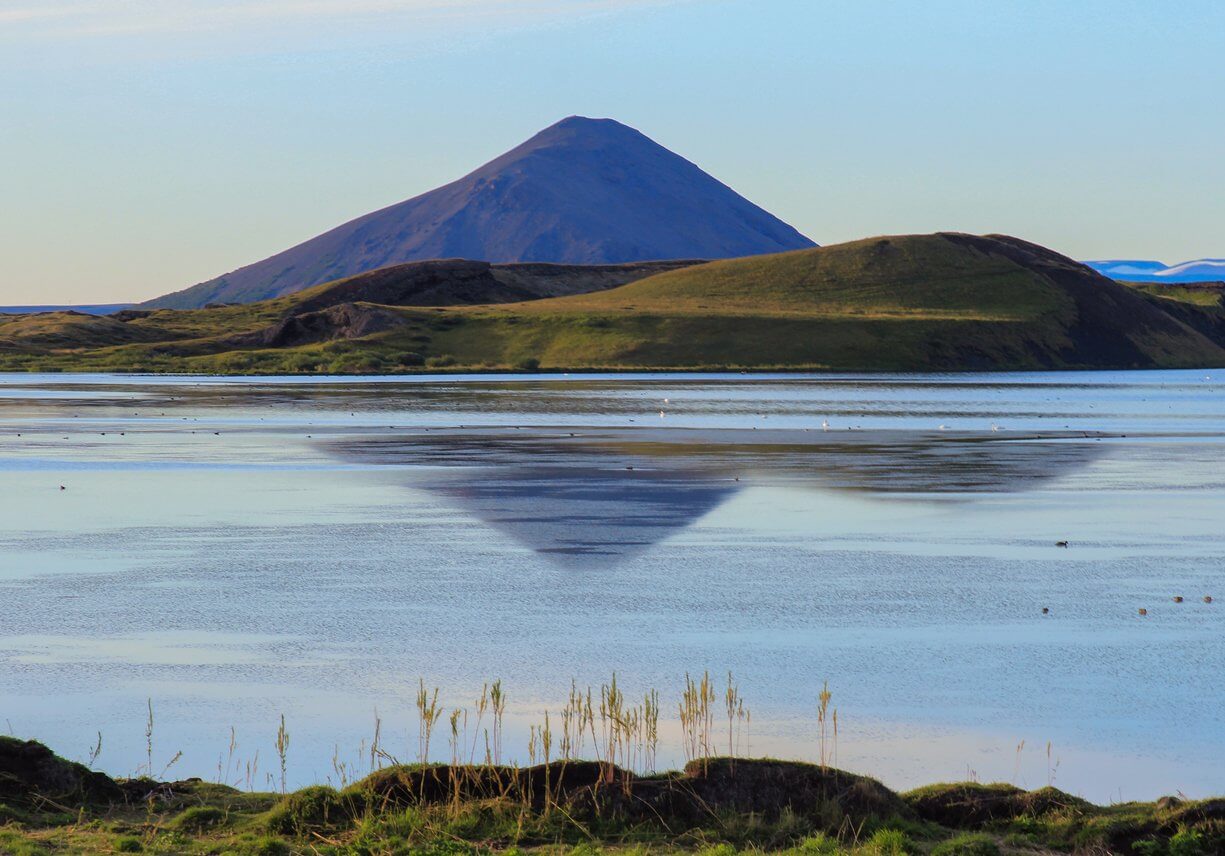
<point>582,191</point>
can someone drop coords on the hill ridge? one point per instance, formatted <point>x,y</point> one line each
<point>940,302</point>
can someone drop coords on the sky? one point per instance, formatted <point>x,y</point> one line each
<point>146,145</point>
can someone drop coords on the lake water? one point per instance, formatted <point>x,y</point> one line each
<point>235,550</point>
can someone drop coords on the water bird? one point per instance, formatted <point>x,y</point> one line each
<point>661,414</point>
<point>1178,598</point>
<point>63,488</point>
<point>994,427</point>
<point>1143,611</point>
<point>1046,610</point>
<point>944,428</point>
<point>824,424</point>
<point>1061,543</point>
<point>1207,598</point>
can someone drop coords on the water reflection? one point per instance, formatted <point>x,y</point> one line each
<point>599,496</point>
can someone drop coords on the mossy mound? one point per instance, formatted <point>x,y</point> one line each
<point>766,787</point>
<point>967,844</point>
<point>688,799</point>
<point>969,805</point>
<point>32,775</point>
<point>1204,811</point>
<point>201,818</point>
<point>313,809</point>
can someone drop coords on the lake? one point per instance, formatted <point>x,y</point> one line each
<point>235,550</point>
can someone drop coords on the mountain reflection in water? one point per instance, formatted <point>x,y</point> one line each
<point>604,494</point>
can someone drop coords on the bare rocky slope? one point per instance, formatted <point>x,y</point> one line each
<point>583,191</point>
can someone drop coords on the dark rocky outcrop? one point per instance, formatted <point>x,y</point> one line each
<point>969,805</point>
<point>459,282</point>
<point>33,775</point>
<point>343,310</point>
<point>126,315</point>
<point>705,789</point>
<point>344,321</point>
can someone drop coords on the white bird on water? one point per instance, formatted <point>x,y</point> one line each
<point>661,414</point>
<point>824,424</point>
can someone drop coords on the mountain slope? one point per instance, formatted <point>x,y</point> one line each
<point>943,302</point>
<point>911,302</point>
<point>584,191</point>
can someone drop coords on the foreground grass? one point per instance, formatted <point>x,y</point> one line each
<point>715,807</point>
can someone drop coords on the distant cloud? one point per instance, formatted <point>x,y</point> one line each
<point>81,18</point>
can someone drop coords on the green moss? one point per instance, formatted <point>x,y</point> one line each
<point>310,809</point>
<point>816,845</point>
<point>1190,842</point>
<point>967,844</point>
<point>889,842</point>
<point>200,819</point>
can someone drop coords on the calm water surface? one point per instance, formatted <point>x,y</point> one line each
<point>236,550</point>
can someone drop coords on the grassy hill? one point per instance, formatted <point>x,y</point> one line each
<point>906,303</point>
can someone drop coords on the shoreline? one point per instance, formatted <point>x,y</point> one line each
<point>714,805</point>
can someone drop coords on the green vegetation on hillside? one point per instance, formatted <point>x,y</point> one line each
<point>908,303</point>
<point>1198,293</point>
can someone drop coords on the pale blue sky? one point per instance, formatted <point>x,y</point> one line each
<point>146,145</point>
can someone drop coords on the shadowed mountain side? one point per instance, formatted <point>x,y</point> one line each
<point>452,282</point>
<point>599,495</point>
<point>329,311</point>
<point>584,191</point>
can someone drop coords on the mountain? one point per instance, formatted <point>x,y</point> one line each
<point>942,302</point>
<point>1200,270</point>
<point>584,191</point>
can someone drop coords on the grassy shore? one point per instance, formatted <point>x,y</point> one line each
<point>590,785</point>
<point>715,806</point>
